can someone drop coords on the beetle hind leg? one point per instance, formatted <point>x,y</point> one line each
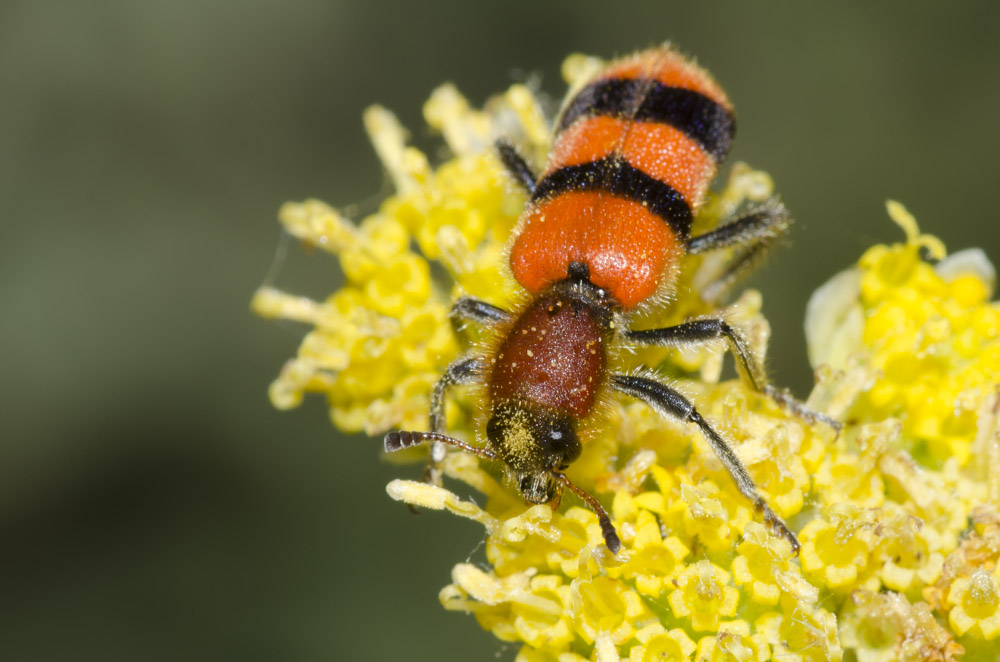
<point>671,404</point>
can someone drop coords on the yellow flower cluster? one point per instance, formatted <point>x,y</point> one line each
<point>382,341</point>
<point>899,514</point>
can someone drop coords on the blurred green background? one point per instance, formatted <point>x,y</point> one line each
<point>153,506</point>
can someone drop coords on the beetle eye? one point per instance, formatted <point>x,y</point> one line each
<point>559,439</point>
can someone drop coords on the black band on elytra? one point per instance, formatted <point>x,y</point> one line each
<point>616,176</point>
<point>647,100</point>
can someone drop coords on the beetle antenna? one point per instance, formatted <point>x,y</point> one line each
<point>395,441</point>
<point>611,538</point>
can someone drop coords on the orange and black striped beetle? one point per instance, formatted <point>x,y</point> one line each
<point>608,222</point>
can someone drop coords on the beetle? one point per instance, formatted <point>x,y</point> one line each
<point>602,237</point>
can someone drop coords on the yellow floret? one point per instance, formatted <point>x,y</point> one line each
<point>764,565</point>
<point>658,644</point>
<point>704,595</point>
<point>733,643</point>
<point>976,601</point>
